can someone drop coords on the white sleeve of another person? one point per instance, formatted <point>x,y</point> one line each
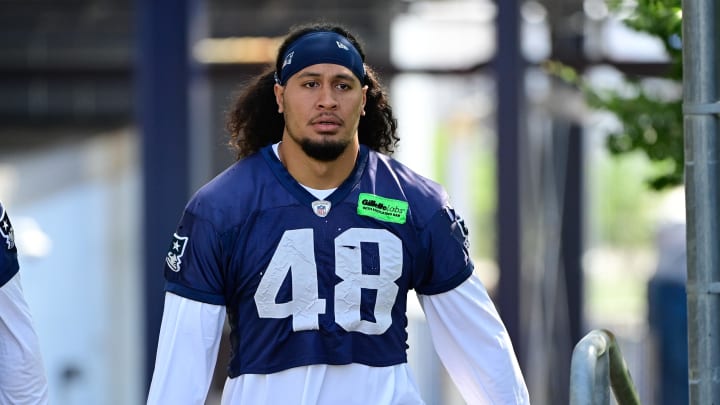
<point>22,374</point>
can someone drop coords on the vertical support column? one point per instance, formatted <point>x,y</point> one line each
<point>572,231</point>
<point>570,307</point>
<point>202,138</point>
<point>568,46</point>
<point>509,76</point>
<point>701,98</point>
<point>161,78</point>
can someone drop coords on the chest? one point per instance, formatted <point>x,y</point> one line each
<point>288,263</point>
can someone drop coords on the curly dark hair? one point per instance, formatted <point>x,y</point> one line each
<point>253,120</point>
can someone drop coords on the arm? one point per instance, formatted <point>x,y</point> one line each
<point>474,346</point>
<point>189,339</point>
<point>22,374</point>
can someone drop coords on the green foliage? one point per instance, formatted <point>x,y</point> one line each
<point>663,20</point>
<point>648,124</point>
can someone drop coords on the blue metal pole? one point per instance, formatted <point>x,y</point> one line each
<point>701,108</point>
<point>161,78</point>
<point>509,74</point>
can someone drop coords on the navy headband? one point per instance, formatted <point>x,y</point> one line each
<point>320,47</point>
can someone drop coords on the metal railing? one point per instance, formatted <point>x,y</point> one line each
<point>596,366</point>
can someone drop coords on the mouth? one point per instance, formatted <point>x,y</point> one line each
<point>326,123</point>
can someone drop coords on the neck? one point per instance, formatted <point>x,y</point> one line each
<point>315,173</point>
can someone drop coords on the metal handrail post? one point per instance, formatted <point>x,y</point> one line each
<point>589,369</point>
<point>620,379</point>
<point>597,366</point>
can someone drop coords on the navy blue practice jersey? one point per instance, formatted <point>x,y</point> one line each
<point>8,251</point>
<point>308,281</point>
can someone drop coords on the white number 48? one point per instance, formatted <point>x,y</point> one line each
<point>295,254</point>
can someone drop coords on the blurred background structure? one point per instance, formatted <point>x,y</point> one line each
<point>112,114</point>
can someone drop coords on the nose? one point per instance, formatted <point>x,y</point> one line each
<point>326,100</point>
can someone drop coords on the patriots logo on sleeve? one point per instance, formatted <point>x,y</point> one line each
<point>177,249</point>
<point>459,229</point>
<point>6,229</point>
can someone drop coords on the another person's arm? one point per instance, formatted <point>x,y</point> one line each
<point>22,374</point>
<point>474,345</point>
<point>187,350</point>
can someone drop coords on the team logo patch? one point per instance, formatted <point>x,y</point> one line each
<point>177,248</point>
<point>6,229</point>
<point>458,227</point>
<point>321,208</point>
<point>288,60</point>
<point>341,45</point>
<point>384,209</point>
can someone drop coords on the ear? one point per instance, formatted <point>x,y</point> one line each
<point>279,91</point>
<point>364,99</point>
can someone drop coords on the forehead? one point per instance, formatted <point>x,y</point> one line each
<point>327,71</point>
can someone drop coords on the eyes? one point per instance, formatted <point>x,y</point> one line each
<point>313,84</point>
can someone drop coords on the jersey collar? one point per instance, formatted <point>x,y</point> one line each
<point>304,196</point>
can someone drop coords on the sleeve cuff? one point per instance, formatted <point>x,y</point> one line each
<point>193,294</point>
<point>449,284</point>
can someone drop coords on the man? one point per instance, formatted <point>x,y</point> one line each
<point>311,243</point>
<point>22,374</point>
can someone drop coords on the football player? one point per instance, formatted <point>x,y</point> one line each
<point>22,373</point>
<point>310,244</point>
